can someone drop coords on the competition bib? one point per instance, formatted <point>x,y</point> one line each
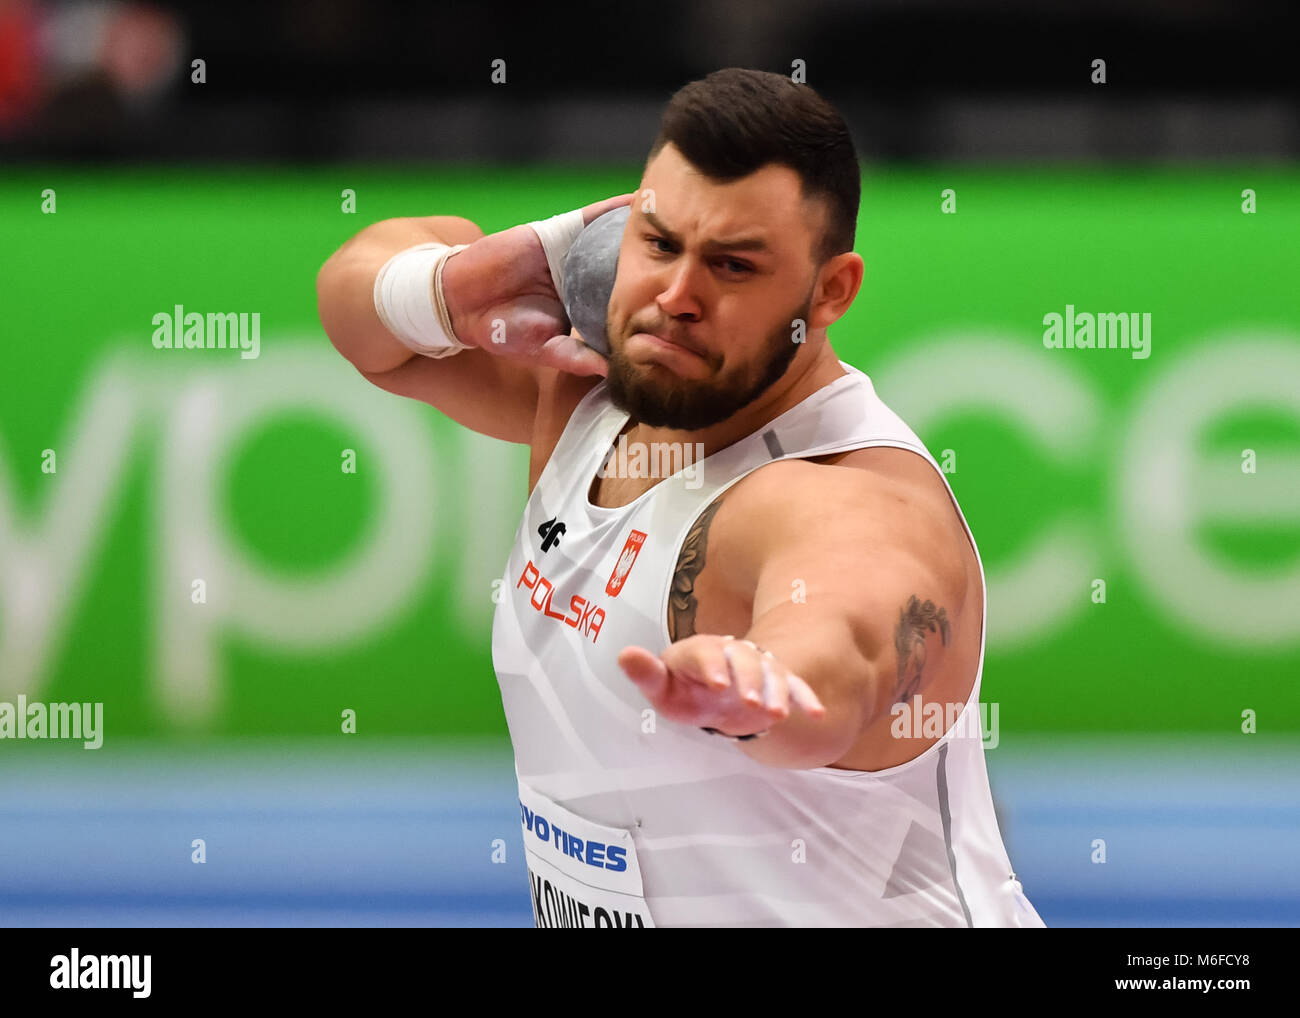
<point>580,873</point>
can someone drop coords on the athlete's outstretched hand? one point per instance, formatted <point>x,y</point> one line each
<point>719,682</point>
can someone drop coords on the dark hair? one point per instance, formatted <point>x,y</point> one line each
<point>735,121</point>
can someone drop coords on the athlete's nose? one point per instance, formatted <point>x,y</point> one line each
<point>678,299</point>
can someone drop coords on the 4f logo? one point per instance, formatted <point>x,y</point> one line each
<point>550,532</point>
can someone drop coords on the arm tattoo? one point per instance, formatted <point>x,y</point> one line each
<point>909,641</point>
<point>681,599</point>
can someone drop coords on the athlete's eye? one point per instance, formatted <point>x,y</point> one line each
<point>667,249</point>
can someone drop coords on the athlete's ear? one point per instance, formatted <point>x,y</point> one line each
<point>838,282</point>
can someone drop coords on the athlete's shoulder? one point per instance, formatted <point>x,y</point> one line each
<point>855,477</point>
<point>864,498</point>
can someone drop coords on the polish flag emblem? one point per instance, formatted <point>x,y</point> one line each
<point>624,564</point>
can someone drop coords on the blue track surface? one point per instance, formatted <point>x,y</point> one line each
<point>345,834</point>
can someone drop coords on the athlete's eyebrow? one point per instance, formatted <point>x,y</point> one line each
<point>752,243</point>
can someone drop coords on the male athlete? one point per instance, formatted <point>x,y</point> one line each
<point>713,679</point>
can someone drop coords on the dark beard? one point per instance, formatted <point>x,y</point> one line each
<point>685,404</point>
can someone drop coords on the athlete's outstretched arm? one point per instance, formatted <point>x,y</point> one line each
<point>852,594</point>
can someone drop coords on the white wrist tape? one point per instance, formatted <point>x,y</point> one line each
<point>557,235</point>
<point>410,303</point>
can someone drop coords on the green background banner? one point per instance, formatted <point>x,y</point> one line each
<point>1173,480</point>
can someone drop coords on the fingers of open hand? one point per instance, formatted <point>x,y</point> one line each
<point>646,669</point>
<point>802,694</point>
<point>761,682</point>
<point>721,682</point>
<point>738,687</point>
<point>672,683</point>
<point>779,689</point>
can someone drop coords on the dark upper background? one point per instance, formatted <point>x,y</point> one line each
<point>324,80</point>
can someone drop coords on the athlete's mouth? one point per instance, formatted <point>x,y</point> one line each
<point>677,343</point>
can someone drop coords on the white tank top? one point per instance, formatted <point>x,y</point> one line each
<point>633,820</point>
